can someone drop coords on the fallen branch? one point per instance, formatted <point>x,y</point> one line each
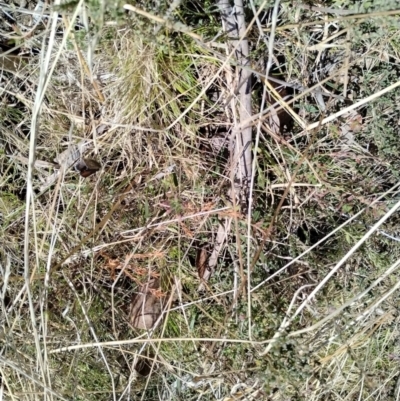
<point>241,159</point>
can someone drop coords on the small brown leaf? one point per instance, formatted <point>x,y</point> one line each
<point>146,306</point>
<point>201,261</point>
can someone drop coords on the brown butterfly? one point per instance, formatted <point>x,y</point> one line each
<point>87,167</point>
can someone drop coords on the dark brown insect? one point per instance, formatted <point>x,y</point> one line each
<point>87,167</point>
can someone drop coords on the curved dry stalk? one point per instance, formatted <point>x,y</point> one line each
<point>162,20</point>
<point>93,333</point>
<point>354,106</point>
<point>47,69</point>
<point>286,322</point>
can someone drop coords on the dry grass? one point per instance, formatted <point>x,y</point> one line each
<point>302,303</point>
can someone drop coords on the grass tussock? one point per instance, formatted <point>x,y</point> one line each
<point>302,300</point>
